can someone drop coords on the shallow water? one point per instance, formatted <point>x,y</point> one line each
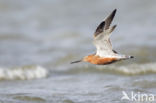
<point>40,38</point>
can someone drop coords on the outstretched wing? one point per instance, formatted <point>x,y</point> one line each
<point>101,37</point>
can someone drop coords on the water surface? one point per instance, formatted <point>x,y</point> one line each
<point>40,38</point>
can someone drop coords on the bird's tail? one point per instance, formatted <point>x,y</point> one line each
<point>76,61</point>
<point>128,57</point>
<point>124,57</point>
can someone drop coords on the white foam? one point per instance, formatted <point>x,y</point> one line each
<point>23,73</point>
<point>134,69</point>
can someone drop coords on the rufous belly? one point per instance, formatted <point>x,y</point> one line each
<point>94,59</point>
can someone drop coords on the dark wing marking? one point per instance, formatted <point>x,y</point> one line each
<point>99,29</point>
<point>115,51</point>
<point>109,19</point>
<point>105,24</point>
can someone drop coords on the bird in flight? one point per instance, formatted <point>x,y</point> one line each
<point>105,53</point>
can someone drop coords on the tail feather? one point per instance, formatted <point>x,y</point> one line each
<point>128,57</point>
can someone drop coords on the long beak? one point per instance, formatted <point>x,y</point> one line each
<point>76,61</point>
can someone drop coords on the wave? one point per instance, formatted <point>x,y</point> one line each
<point>23,73</point>
<point>133,69</point>
<point>124,69</point>
<point>35,71</point>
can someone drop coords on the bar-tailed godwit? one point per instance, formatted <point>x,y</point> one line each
<point>105,53</point>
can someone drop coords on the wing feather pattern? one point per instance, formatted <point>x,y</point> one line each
<point>101,37</point>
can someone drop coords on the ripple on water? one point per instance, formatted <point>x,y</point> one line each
<point>30,99</point>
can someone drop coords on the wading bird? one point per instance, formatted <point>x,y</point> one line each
<point>104,54</point>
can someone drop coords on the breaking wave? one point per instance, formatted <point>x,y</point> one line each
<point>129,69</point>
<point>133,69</point>
<point>23,73</point>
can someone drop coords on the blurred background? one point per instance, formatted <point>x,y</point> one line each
<point>39,39</point>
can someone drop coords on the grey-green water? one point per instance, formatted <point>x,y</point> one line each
<point>39,39</point>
